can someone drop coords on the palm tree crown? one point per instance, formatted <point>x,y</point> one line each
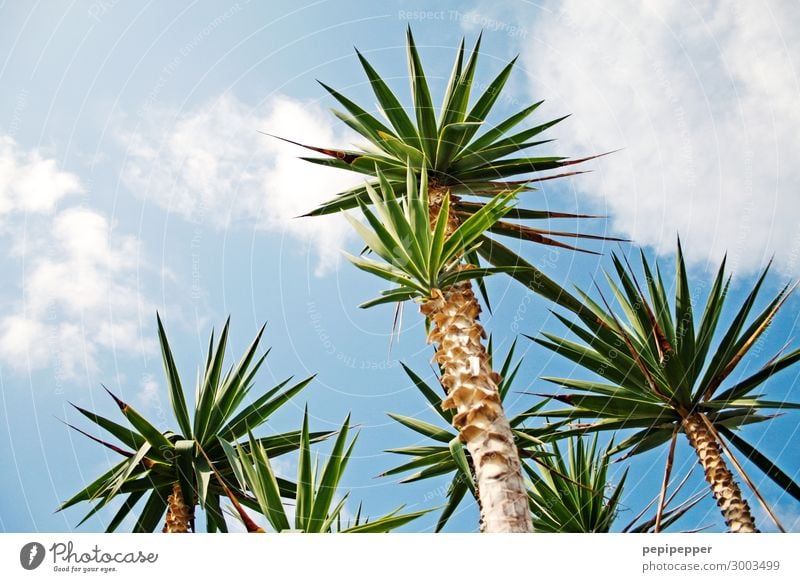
<point>662,374</point>
<point>457,156</point>
<point>175,467</point>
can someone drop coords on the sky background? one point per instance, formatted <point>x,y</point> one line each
<point>133,179</point>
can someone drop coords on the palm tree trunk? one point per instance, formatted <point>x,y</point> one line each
<point>179,514</point>
<point>472,390</point>
<point>729,498</point>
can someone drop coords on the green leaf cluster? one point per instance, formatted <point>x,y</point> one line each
<point>418,257</point>
<point>154,459</point>
<point>318,504</point>
<point>656,360</point>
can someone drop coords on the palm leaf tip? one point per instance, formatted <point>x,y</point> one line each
<point>106,444</point>
<point>344,156</point>
<point>123,406</point>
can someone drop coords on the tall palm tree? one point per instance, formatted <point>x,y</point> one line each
<point>172,466</point>
<point>316,509</point>
<point>454,160</point>
<point>428,266</point>
<point>663,375</point>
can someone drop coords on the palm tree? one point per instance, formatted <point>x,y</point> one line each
<point>316,509</point>
<point>452,161</point>
<point>428,266</point>
<point>661,377</point>
<point>172,466</point>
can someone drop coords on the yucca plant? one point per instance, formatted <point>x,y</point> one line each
<point>454,160</point>
<point>168,466</point>
<point>571,492</point>
<point>460,153</point>
<point>568,492</point>
<point>663,372</point>
<point>318,502</point>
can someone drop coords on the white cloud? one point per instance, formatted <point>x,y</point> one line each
<point>79,295</point>
<point>705,99</point>
<point>149,390</point>
<point>30,183</point>
<point>78,291</point>
<point>212,165</point>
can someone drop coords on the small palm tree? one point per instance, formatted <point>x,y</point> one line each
<point>452,159</point>
<point>568,493</point>
<point>662,376</point>
<point>170,465</point>
<point>316,508</point>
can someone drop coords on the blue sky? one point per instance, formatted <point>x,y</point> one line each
<point>133,178</point>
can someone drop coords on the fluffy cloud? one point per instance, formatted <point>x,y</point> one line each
<point>149,391</point>
<point>30,183</point>
<point>705,100</point>
<point>212,165</point>
<point>78,293</point>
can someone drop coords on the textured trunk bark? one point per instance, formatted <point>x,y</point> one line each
<point>472,390</point>
<point>179,514</point>
<point>729,498</point>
